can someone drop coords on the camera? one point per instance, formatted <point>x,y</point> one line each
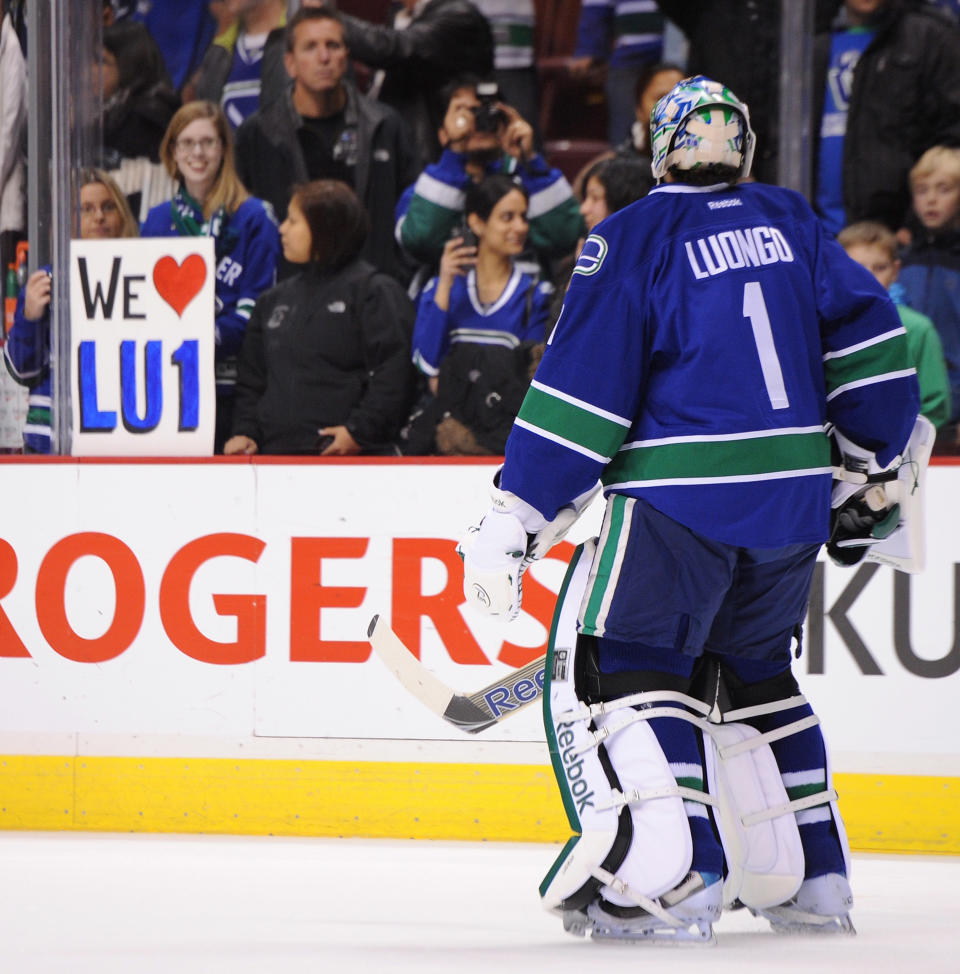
<point>462,229</point>
<point>488,115</point>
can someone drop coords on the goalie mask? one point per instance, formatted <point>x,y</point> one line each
<point>700,124</point>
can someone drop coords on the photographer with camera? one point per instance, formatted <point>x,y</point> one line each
<point>481,134</point>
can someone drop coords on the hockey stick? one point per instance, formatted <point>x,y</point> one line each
<point>472,712</point>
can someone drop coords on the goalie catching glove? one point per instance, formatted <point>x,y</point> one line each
<point>507,541</point>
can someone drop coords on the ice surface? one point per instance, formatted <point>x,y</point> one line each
<point>139,904</point>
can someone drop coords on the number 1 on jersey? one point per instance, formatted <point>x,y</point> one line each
<point>755,308</point>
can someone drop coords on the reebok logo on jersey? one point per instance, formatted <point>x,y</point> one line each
<point>731,249</point>
<point>592,255</point>
<point>723,204</point>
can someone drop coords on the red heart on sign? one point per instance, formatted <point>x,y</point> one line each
<point>179,284</point>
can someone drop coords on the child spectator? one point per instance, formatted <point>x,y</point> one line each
<point>104,214</point>
<point>931,265</point>
<point>210,201</point>
<point>875,247</point>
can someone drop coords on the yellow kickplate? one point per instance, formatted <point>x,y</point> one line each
<point>495,802</point>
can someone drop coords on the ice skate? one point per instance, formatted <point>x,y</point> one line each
<point>695,905</point>
<point>822,905</point>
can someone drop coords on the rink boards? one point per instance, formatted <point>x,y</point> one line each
<point>183,648</point>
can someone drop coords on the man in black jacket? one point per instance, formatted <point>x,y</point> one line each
<point>738,42</point>
<point>895,100</point>
<point>323,128</point>
<point>444,38</point>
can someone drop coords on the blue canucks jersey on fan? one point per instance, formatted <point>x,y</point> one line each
<point>518,315</point>
<point>702,347</point>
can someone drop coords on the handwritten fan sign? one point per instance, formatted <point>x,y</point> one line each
<point>142,346</point>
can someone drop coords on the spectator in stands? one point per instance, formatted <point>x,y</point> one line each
<point>210,201</point>
<point>325,367</point>
<point>627,36</point>
<point>230,71</point>
<point>138,98</point>
<point>652,85</point>
<point>931,265</point>
<point>889,89</point>
<point>611,184</point>
<point>444,38</point>
<point>514,24</point>
<point>104,214</point>
<point>13,140</point>
<point>738,42</point>
<point>481,326</point>
<point>875,247</point>
<point>183,30</point>
<point>323,128</point>
<point>481,137</point>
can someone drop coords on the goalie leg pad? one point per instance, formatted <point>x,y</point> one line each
<point>764,855</point>
<point>775,781</point>
<point>626,873</point>
<point>583,773</point>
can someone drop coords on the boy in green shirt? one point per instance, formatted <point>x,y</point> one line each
<point>875,247</point>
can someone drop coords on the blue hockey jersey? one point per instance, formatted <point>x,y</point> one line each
<point>518,315</point>
<point>707,337</point>
<point>247,249</point>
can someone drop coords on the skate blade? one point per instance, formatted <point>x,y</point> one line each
<point>815,926</point>
<point>696,935</point>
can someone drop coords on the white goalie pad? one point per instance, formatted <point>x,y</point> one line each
<point>764,855</point>
<point>583,781</point>
<point>661,848</point>
<point>632,840</point>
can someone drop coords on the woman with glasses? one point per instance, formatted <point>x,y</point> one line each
<point>210,201</point>
<point>104,214</point>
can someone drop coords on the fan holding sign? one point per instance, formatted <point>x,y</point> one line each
<point>104,215</point>
<point>210,201</point>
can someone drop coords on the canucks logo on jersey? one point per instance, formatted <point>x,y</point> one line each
<point>592,255</point>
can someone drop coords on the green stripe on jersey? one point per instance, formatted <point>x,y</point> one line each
<point>715,460</point>
<point>572,422</point>
<point>889,355</point>
<point>604,563</point>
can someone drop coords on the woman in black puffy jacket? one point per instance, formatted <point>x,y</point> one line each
<point>325,365</point>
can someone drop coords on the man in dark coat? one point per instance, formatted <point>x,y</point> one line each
<point>444,38</point>
<point>323,128</point>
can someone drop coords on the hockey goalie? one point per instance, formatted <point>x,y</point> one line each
<point>740,388</point>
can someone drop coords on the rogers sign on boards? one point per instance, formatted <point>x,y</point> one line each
<point>229,563</point>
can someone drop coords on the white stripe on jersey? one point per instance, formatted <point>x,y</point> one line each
<point>870,380</point>
<point>841,352</point>
<point>581,404</point>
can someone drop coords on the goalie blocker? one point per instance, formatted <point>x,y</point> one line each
<point>878,514</point>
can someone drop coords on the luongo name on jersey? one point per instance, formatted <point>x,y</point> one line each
<point>707,337</point>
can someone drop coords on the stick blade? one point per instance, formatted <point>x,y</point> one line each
<point>430,690</point>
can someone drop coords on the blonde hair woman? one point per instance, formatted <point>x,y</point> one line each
<point>210,201</point>
<point>104,214</point>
